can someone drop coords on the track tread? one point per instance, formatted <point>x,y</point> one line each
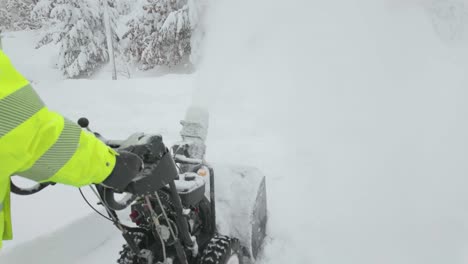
<point>219,249</point>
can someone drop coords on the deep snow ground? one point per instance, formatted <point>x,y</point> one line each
<point>355,111</point>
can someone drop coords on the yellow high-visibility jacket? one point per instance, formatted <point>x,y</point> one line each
<point>41,145</point>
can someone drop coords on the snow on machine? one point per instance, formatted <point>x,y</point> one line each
<point>182,209</point>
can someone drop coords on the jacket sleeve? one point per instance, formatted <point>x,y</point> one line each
<point>42,145</point>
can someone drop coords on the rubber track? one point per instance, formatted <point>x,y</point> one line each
<point>218,250</point>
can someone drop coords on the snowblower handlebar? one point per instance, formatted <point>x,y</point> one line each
<point>28,190</point>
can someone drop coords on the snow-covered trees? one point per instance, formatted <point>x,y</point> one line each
<point>16,15</point>
<point>77,26</point>
<point>148,32</point>
<point>159,34</point>
<point>124,7</point>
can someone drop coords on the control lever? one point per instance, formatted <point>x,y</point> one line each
<point>84,123</point>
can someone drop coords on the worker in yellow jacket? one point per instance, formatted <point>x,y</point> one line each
<point>43,146</point>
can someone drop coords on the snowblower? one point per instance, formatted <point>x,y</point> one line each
<point>182,209</point>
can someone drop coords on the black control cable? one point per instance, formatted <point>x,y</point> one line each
<point>92,207</point>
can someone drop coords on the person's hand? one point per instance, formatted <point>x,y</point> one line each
<point>127,167</point>
<point>138,151</point>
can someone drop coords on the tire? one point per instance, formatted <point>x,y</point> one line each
<point>222,250</point>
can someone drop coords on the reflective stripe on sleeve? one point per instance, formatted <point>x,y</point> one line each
<point>57,156</point>
<point>17,108</point>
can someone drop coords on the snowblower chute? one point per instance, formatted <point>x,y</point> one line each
<point>241,201</point>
